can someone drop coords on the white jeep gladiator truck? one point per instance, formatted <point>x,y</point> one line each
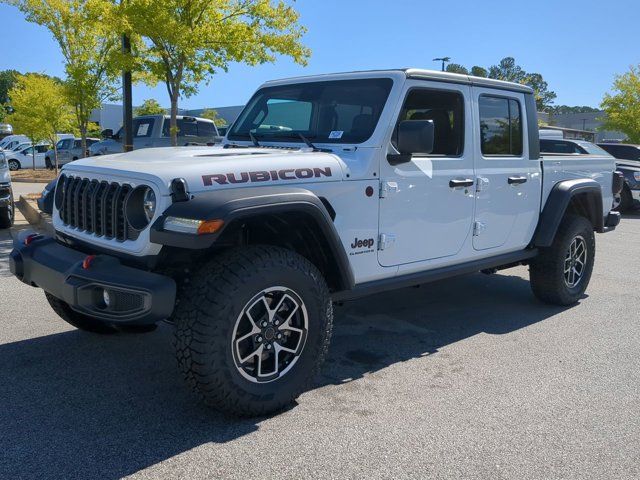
<point>326,188</point>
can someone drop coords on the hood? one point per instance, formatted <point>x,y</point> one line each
<point>209,168</point>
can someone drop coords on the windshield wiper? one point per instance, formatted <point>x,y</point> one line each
<point>299,135</point>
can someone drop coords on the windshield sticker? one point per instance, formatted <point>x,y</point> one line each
<point>143,128</point>
<point>336,134</point>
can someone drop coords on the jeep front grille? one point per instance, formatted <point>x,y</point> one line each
<point>94,207</point>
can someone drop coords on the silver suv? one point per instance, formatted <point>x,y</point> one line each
<point>153,131</point>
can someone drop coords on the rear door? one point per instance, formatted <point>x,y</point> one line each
<point>426,209</point>
<point>508,183</point>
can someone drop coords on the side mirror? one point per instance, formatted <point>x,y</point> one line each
<point>414,136</point>
<point>107,133</point>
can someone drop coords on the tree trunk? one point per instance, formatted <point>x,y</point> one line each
<point>174,120</point>
<point>55,156</point>
<point>33,154</point>
<point>83,141</point>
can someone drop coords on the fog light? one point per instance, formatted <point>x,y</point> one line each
<point>106,298</point>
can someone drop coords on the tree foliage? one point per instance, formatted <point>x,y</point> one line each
<point>457,68</point>
<point>622,105</point>
<point>89,43</point>
<point>41,110</point>
<point>149,107</point>
<point>187,41</point>
<point>212,114</point>
<point>508,70</point>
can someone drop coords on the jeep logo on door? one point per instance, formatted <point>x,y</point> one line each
<point>266,176</point>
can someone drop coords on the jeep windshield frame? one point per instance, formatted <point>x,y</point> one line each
<point>332,111</point>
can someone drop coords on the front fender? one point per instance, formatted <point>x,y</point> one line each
<point>232,205</point>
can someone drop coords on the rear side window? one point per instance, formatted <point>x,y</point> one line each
<point>559,146</point>
<point>624,152</point>
<point>500,126</point>
<point>446,110</point>
<point>206,129</point>
<point>187,128</point>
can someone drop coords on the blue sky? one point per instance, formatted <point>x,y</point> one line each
<point>578,46</point>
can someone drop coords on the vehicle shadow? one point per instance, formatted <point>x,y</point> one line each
<point>77,405</point>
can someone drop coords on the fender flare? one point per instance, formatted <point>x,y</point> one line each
<point>559,200</point>
<point>232,205</point>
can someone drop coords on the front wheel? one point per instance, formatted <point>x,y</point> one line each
<point>253,329</point>
<point>14,165</point>
<point>7,215</point>
<point>560,274</point>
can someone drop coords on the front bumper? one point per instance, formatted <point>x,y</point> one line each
<point>136,296</point>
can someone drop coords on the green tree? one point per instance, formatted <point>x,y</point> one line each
<point>212,114</point>
<point>87,33</point>
<point>457,68</point>
<point>149,107</point>
<point>477,71</point>
<point>622,105</point>
<point>508,70</point>
<point>187,41</point>
<point>40,111</point>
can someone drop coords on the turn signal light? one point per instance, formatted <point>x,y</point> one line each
<point>30,238</point>
<point>210,226</point>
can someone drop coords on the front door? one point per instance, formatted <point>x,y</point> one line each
<point>426,209</point>
<point>508,183</point>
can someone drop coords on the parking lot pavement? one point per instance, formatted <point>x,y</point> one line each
<point>467,378</point>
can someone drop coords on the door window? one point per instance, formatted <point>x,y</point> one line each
<point>446,110</point>
<point>206,129</point>
<point>500,126</point>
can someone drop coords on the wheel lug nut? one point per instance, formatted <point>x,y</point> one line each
<point>258,338</point>
<point>276,322</point>
<point>264,324</point>
<point>268,346</point>
<point>279,336</point>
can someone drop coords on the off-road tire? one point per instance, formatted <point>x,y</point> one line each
<point>547,269</point>
<point>78,320</point>
<point>209,309</point>
<point>7,215</point>
<point>626,200</point>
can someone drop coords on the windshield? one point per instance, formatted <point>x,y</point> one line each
<point>343,111</point>
<point>593,149</point>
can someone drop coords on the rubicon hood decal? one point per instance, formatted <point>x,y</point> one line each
<point>266,176</point>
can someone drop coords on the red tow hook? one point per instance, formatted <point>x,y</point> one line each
<point>30,238</point>
<point>86,263</point>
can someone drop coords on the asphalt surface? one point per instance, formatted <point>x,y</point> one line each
<point>466,378</point>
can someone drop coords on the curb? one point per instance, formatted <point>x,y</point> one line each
<point>29,180</point>
<point>34,216</point>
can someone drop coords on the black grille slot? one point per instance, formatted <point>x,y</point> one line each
<point>96,207</point>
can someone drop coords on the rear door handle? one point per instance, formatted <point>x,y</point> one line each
<point>457,183</point>
<point>516,180</point>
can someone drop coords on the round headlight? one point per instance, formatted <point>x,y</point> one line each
<point>149,204</point>
<point>140,207</point>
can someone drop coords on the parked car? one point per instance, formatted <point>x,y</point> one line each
<point>24,158</point>
<point>550,146</point>
<point>628,162</point>
<point>12,141</point>
<point>69,150</point>
<point>7,206</point>
<point>369,181</point>
<point>153,131</point>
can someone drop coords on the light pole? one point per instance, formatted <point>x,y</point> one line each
<point>443,60</point>
<point>127,97</point>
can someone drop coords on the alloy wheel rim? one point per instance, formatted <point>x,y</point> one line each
<point>575,262</point>
<point>269,335</point>
<point>13,165</point>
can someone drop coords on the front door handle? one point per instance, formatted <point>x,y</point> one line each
<point>516,180</point>
<point>457,183</point>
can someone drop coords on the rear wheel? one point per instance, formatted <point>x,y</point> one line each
<point>253,329</point>
<point>78,320</point>
<point>625,201</point>
<point>560,274</point>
